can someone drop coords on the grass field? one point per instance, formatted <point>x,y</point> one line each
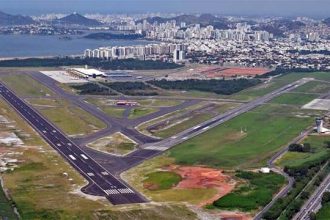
<point>313,87</point>
<point>103,104</point>
<point>141,111</point>
<point>46,187</point>
<point>44,102</point>
<point>197,119</point>
<point>188,121</point>
<point>161,180</point>
<point>295,159</point>
<point>24,85</point>
<point>113,111</point>
<point>6,211</point>
<point>137,175</point>
<point>245,141</point>
<point>276,83</point>
<point>158,102</point>
<point>72,120</point>
<point>115,144</point>
<point>257,191</point>
<point>19,127</point>
<point>323,213</point>
<point>294,99</point>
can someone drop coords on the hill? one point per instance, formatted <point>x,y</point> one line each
<point>77,19</point>
<point>279,27</point>
<point>7,19</point>
<point>204,20</point>
<point>327,21</point>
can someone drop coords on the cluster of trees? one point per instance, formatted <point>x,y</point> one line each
<point>325,198</point>
<point>92,89</point>
<point>288,206</point>
<point>304,148</point>
<point>224,87</point>
<point>283,71</point>
<point>132,88</point>
<point>126,64</point>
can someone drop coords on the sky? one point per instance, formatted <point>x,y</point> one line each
<point>315,8</point>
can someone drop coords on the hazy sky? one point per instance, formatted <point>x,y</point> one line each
<point>320,8</point>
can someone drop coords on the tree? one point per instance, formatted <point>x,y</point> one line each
<point>325,198</point>
<point>307,147</point>
<point>312,216</point>
<point>327,144</point>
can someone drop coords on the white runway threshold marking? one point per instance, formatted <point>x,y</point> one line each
<point>111,191</point>
<point>126,190</point>
<point>84,156</point>
<point>72,157</point>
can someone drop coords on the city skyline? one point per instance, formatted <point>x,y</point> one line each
<point>315,8</point>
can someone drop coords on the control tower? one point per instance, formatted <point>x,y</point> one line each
<point>319,126</point>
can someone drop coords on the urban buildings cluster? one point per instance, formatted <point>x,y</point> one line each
<point>162,51</point>
<point>169,31</point>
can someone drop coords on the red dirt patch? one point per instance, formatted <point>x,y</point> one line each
<point>150,186</point>
<point>234,216</point>
<point>201,178</point>
<point>235,71</point>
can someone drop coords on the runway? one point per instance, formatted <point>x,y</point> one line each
<point>101,182</point>
<point>125,126</point>
<point>103,170</point>
<point>192,132</point>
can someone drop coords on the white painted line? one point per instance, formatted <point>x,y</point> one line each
<point>196,127</point>
<point>72,157</point>
<point>207,127</point>
<point>125,190</point>
<point>84,156</point>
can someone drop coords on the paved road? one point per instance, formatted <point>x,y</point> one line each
<point>119,164</point>
<point>103,175</point>
<point>314,202</point>
<point>290,179</point>
<point>183,136</point>
<point>101,182</point>
<point>126,126</point>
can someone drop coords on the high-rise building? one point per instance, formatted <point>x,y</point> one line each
<point>178,56</point>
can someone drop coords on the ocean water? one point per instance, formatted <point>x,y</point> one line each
<point>32,45</point>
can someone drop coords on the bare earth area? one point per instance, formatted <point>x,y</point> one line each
<point>201,177</point>
<point>227,215</point>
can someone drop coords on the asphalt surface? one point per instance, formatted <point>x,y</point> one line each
<point>314,202</point>
<point>119,164</point>
<point>187,134</point>
<point>126,126</point>
<point>102,170</point>
<point>101,182</point>
<point>290,179</point>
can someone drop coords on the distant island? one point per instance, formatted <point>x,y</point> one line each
<point>114,36</point>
